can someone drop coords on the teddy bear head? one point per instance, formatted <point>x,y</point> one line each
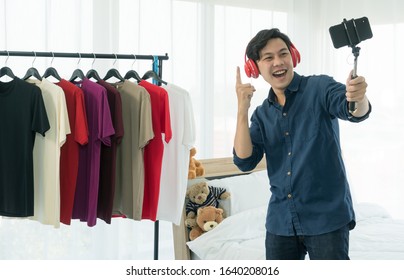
<point>198,192</point>
<point>192,152</point>
<point>209,217</point>
<point>195,168</point>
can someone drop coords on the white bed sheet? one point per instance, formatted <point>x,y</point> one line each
<point>377,236</point>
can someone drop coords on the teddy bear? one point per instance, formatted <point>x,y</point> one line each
<point>196,168</point>
<point>200,195</point>
<point>207,219</point>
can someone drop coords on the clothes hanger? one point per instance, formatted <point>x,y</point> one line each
<point>78,73</point>
<point>132,73</point>
<point>51,71</point>
<point>6,71</point>
<point>32,72</point>
<point>152,74</point>
<point>92,73</point>
<point>114,73</point>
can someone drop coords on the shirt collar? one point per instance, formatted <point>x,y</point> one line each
<point>293,87</point>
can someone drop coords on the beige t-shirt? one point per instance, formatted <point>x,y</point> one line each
<point>47,155</point>
<point>138,131</point>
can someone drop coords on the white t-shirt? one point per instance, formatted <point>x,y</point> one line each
<point>174,173</point>
<point>47,155</point>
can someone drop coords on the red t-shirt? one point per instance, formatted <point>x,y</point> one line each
<point>69,155</point>
<point>153,152</point>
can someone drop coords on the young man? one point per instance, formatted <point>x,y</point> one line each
<point>310,210</point>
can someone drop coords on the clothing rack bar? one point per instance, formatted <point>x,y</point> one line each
<point>82,55</point>
<point>102,56</point>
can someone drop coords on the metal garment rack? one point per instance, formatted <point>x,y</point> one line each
<point>157,64</point>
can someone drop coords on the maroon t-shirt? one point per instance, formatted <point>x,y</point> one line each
<point>108,156</point>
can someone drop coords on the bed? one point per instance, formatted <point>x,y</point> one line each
<point>241,235</point>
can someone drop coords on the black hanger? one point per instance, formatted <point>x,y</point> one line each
<point>132,74</point>
<point>92,73</point>
<point>113,73</point>
<point>152,74</point>
<point>32,72</point>
<point>50,71</point>
<point>6,71</point>
<point>77,74</point>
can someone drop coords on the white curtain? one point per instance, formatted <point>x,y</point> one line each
<point>206,41</point>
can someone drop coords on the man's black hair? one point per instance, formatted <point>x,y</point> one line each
<point>261,39</point>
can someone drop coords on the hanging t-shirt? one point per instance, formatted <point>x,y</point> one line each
<point>47,155</point>
<point>100,130</point>
<point>174,172</point>
<point>106,190</point>
<point>153,153</point>
<point>22,115</point>
<point>137,121</point>
<point>69,155</point>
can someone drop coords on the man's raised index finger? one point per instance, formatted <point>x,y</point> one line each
<point>238,77</point>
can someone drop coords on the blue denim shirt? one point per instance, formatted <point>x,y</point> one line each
<point>310,191</point>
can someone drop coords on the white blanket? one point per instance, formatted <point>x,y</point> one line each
<point>240,236</point>
<point>377,236</point>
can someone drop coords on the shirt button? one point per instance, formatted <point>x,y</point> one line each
<point>289,173</point>
<point>285,114</point>
<point>289,196</point>
<point>290,153</point>
<point>287,133</point>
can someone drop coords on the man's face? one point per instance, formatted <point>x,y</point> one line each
<point>275,64</point>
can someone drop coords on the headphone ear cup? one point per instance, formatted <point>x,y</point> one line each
<point>251,69</point>
<point>295,55</point>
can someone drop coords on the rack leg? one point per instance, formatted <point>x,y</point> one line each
<point>156,240</point>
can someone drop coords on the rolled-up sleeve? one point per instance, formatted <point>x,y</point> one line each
<point>249,163</point>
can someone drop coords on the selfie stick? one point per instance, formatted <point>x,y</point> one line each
<point>355,51</point>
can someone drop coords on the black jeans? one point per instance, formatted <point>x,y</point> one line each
<point>329,246</point>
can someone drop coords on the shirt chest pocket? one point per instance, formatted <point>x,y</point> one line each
<point>305,125</point>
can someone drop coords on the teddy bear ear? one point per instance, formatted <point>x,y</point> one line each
<point>199,210</point>
<point>219,211</point>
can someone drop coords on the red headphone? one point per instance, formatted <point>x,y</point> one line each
<point>251,68</point>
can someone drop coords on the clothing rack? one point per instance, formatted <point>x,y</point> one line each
<point>157,67</point>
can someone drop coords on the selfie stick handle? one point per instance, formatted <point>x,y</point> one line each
<point>355,51</point>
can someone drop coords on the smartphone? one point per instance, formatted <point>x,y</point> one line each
<point>350,32</point>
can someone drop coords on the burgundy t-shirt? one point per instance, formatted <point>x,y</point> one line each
<point>108,156</point>
<point>100,131</point>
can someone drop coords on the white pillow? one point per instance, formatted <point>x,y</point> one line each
<point>367,210</point>
<point>247,191</point>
